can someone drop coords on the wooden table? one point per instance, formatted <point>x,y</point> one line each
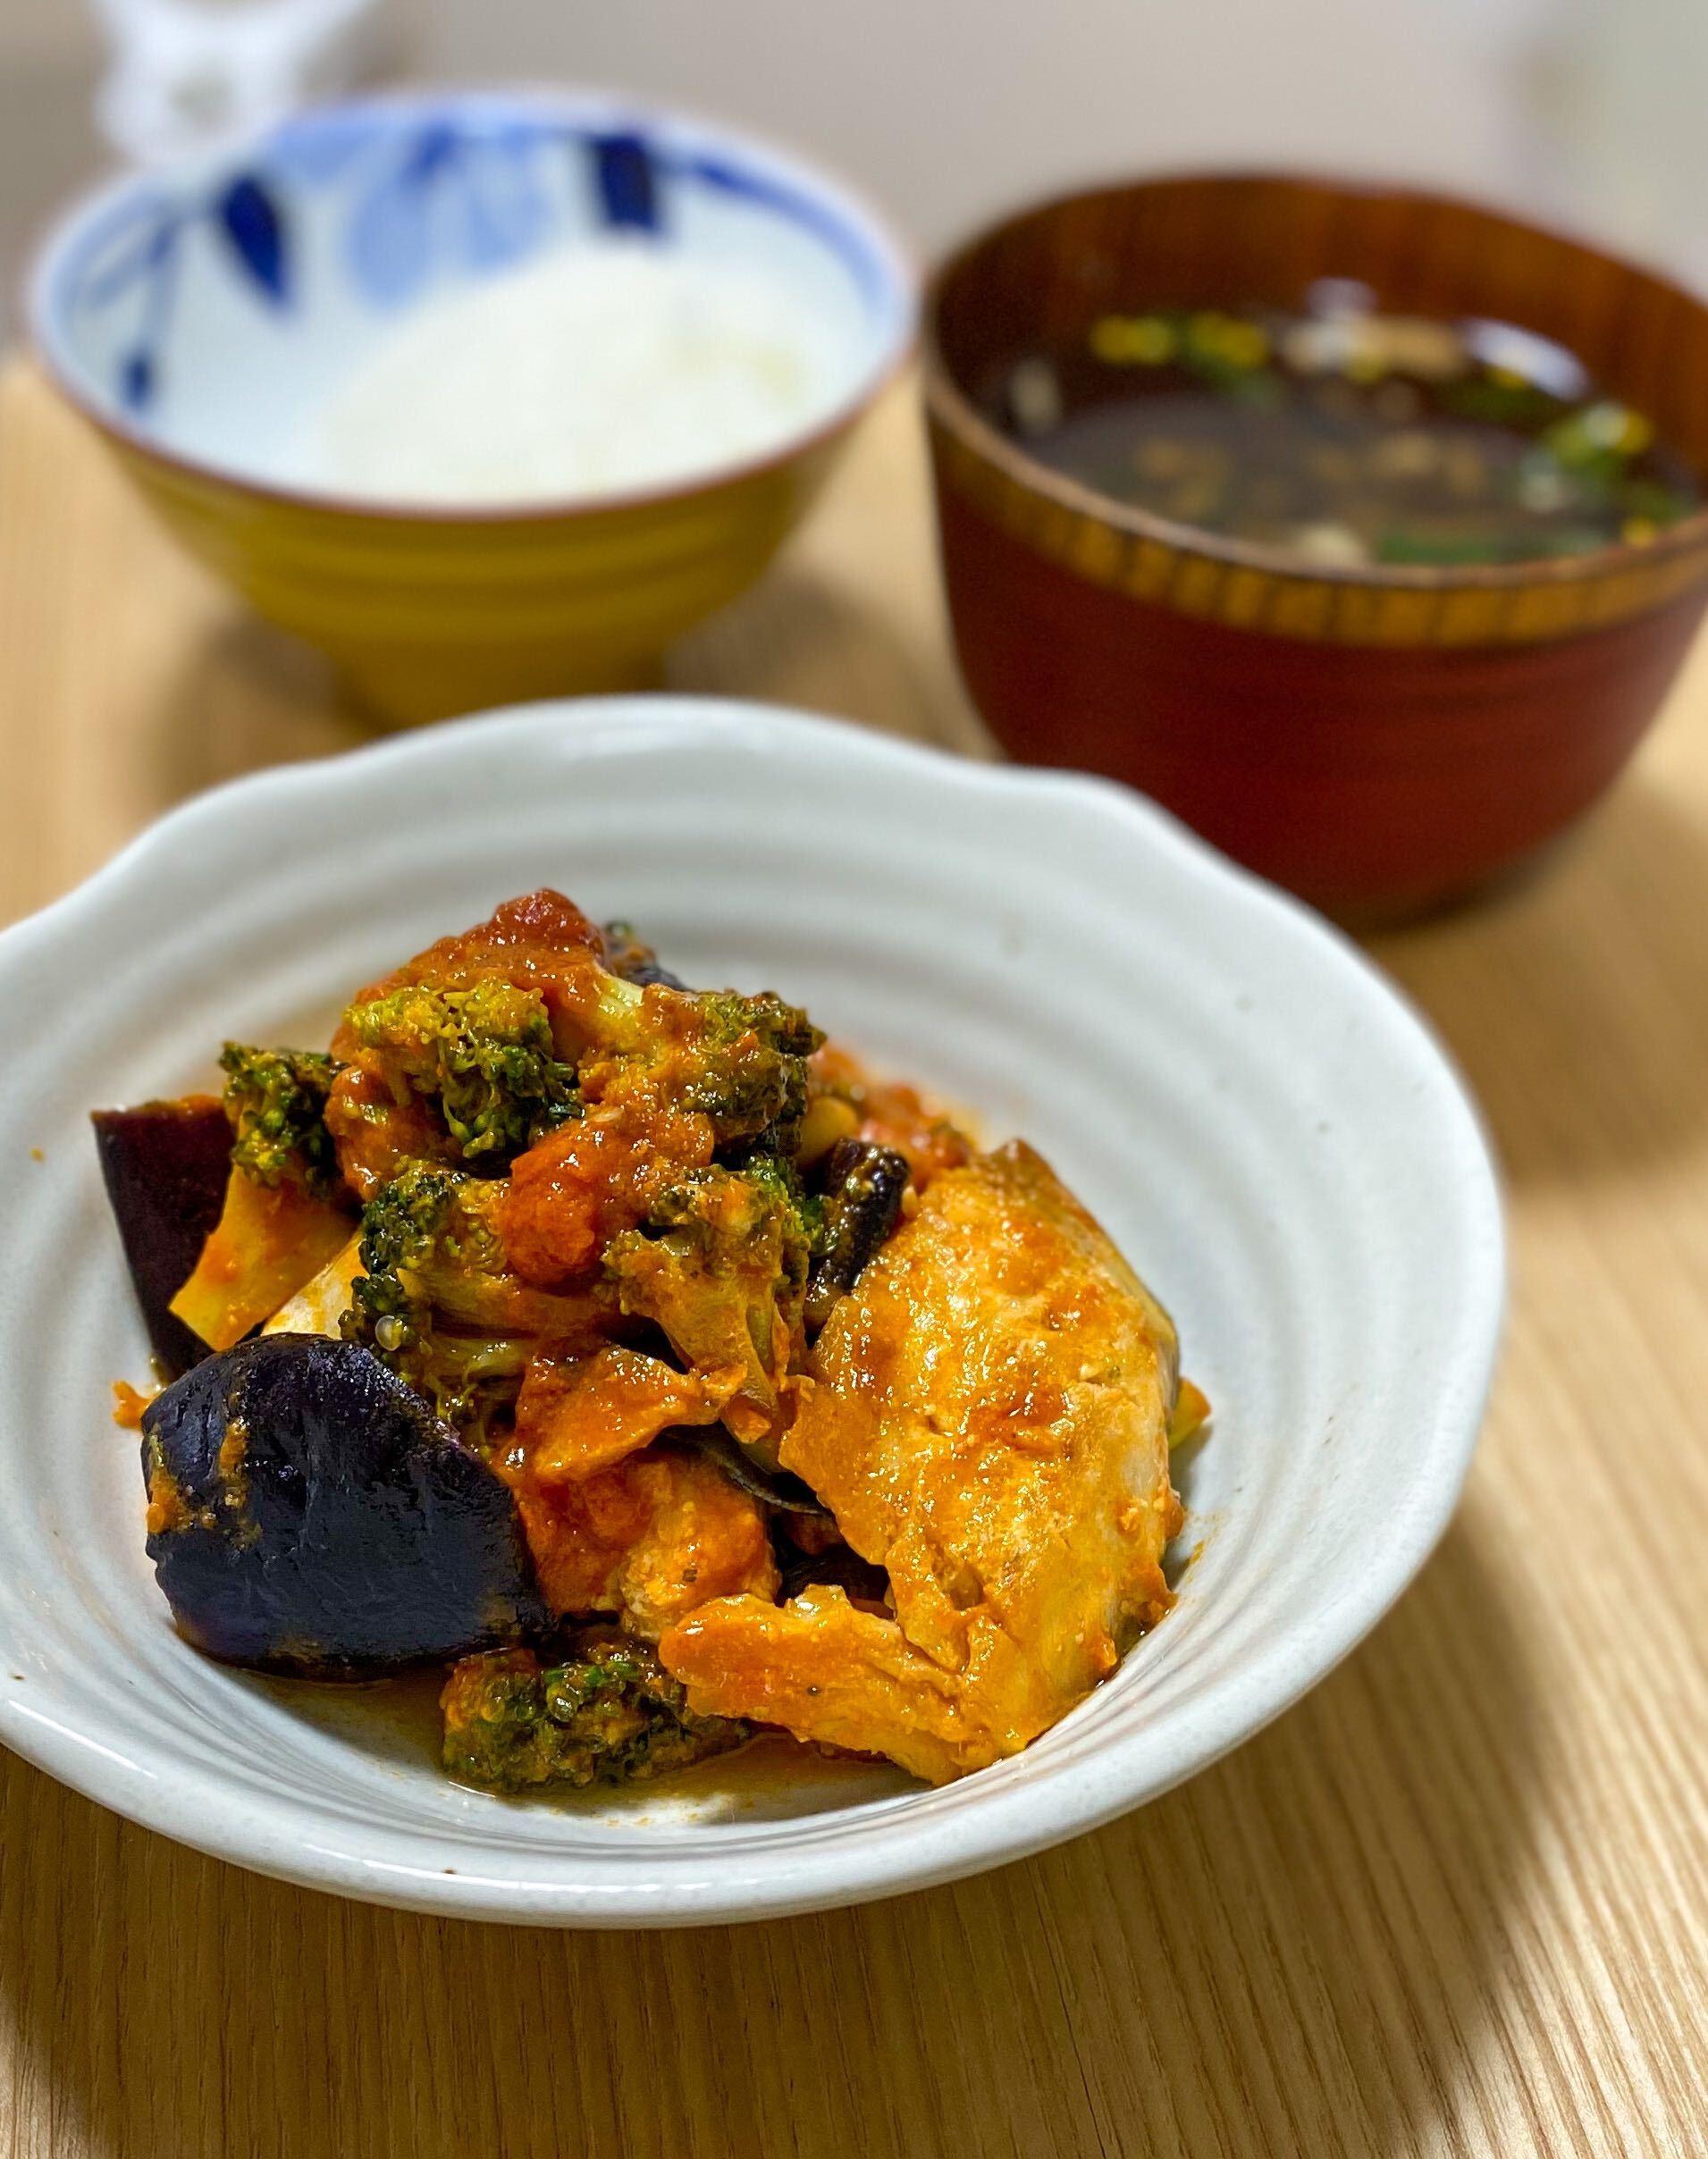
<point>1457,1901</point>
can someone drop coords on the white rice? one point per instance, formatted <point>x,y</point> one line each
<point>597,369</point>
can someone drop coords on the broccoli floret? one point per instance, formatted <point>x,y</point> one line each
<point>747,1067</point>
<point>721,1265</point>
<point>800,1214</point>
<point>439,1303</point>
<point>401,1227</point>
<point>276,1101</point>
<point>426,1236</point>
<point>610,1715</point>
<point>484,1055</point>
<point>742,1062</point>
<point>729,1224</point>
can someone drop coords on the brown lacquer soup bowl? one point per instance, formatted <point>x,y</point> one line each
<point>1381,736</point>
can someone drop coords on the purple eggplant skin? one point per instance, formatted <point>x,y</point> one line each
<point>636,962</point>
<point>165,1165</point>
<point>309,1514</point>
<point>864,1186</point>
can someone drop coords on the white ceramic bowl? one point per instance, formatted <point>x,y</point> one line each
<point>1261,1123</point>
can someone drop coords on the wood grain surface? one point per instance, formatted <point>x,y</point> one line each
<point>1455,1902</point>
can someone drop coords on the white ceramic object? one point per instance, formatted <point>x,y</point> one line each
<point>183,75</point>
<point>1261,1123</point>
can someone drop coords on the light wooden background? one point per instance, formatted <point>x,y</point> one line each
<point>1455,1902</point>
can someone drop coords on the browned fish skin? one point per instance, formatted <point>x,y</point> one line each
<point>990,1422</point>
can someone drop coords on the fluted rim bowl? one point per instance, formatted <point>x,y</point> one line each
<point>1262,1124</point>
<point>196,313</point>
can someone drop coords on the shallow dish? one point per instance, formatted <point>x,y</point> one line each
<point>1263,1126</point>
<point>201,316</point>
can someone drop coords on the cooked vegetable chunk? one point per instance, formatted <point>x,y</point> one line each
<point>276,1102</point>
<point>165,1165</point>
<point>268,1242</point>
<point>890,1113</point>
<point>433,1297</point>
<point>667,1079</point>
<point>720,1266</point>
<point>746,1065</point>
<point>282,1220</point>
<point>609,1715</point>
<point>484,1055</point>
<point>647,1538</point>
<point>580,1415</point>
<point>862,1203</point>
<point>628,955</point>
<point>319,1306</point>
<point>308,1514</point>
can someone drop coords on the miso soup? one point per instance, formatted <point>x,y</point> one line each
<point>1347,436</point>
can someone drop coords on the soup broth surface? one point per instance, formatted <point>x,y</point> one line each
<point>1346,436</point>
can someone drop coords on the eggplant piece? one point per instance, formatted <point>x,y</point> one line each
<point>308,1513</point>
<point>626,955</point>
<point>164,1165</point>
<point>773,1488</point>
<point>863,1184</point>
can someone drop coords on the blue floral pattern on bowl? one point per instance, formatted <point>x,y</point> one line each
<point>379,202</point>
